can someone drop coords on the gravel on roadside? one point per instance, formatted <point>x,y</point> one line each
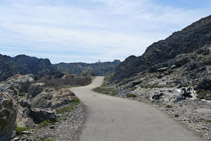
<point>67,129</point>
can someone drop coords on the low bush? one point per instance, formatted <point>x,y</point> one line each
<point>169,106</point>
<point>203,94</point>
<point>42,139</point>
<point>66,81</point>
<point>209,120</point>
<point>132,95</point>
<point>104,90</point>
<point>71,106</point>
<point>19,130</point>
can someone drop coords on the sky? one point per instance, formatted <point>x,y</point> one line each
<point>92,30</point>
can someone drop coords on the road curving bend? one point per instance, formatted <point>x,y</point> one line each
<point>117,119</point>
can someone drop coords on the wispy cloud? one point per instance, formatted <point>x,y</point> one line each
<point>88,30</point>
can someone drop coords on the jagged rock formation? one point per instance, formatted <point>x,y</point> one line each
<point>99,69</point>
<point>8,114</point>
<point>24,102</point>
<point>184,59</point>
<point>169,52</point>
<point>23,64</point>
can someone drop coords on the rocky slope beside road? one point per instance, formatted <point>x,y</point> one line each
<point>180,103</point>
<point>174,74</point>
<point>26,104</point>
<point>171,52</point>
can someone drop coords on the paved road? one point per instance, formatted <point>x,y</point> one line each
<point>117,119</point>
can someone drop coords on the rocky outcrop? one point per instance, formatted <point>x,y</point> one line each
<point>184,58</point>
<point>62,97</point>
<point>8,113</point>
<point>170,51</point>
<point>24,102</point>
<point>50,98</point>
<point>40,115</point>
<point>23,64</point>
<point>43,100</point>
<point>35,89</point>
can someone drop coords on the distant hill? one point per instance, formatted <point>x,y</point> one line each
<point>23,64</point>
<point>100,68</point>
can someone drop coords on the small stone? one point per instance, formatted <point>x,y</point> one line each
<point>52,126</point>
<point>16,139</point>
<point>176,115</point>
<point>26,132</point>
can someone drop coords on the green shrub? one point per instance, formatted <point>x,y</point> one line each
<point>203,94</point>
<point>46,123</point>
<point>209,120</point>
<point>102,90</point>
<point>71,106</point>
<point>19,130</point>
<point>42,139</point>
<point>132,95</point>
<point>169,106</point>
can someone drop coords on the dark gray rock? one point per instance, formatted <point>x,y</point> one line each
<point>40,115</point>
<point>157,96</point>
<point>163,69</point>
<point>42,100</point>
<point>171,51</point>
<point>8,113</point>
<point>35,89</point>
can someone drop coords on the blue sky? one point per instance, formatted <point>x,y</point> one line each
<point>91,30</point>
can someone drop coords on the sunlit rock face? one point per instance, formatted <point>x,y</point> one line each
<point>8,114</point>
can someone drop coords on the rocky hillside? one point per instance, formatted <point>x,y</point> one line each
<point>169,52</point>
<point>183,59</point>
<point>23,64</point>
<point>174,75</point>
<point>99,69</point>
<point>26,103</point>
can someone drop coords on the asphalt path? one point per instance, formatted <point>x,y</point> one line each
<point>118,119</point>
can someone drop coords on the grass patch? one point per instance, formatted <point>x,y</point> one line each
<point>71,106</point>
<point>19,130</point>
<point>106,91</point>
<point>203,94</point>
<point>42,139</point>
<point>132,95</point>
<point>46,123</point>
<point>113,93</point>
<point>102,90</point>
<point>209,120</point>
<point>152,86</point>
<point>169,106</point>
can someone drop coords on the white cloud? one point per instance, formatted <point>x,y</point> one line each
<point>104,28</point>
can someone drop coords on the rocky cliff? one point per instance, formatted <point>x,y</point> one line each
<point>169,52</point>
<point>184,58</point>
<point>24,103</point>
<point>23,64</point>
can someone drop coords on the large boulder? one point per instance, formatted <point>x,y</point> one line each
<point>40,115</point>
<point>35,89</point>
<point>22,82</point>
<point>8,113</point>
<point>204,85</point>
<point>50,98</point>
<point>43,100</point>
<point>62,97</point>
